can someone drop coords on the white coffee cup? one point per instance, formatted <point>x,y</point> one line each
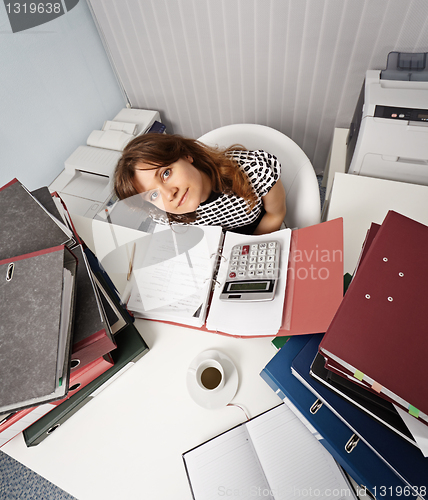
<point>210,375</point>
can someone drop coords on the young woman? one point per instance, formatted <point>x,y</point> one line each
<point>191,183</point>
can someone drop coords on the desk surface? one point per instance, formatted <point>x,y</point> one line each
<point>127,442</point>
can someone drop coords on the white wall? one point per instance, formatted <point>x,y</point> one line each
<point>296,65</point>
<point>56,86</point>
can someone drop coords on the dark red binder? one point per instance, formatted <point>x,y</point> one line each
<point>379,333</point>
<point>92,334</point>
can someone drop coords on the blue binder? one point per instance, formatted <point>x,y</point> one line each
<point>361,463</point>
<point>403,457</point>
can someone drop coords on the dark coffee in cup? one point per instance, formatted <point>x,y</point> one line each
<point>211,377</point>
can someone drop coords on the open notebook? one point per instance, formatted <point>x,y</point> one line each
<point>172,280</point>
<point>177,273</point>
<point>271,456</point>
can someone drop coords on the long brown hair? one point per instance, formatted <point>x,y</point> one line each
<point>161,150</point>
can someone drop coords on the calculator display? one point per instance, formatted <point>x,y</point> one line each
<point>256,285</point>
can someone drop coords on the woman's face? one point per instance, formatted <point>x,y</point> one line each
<point>178,188</point>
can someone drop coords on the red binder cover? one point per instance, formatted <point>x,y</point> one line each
<point>379,333</point>
<point>315,278</point>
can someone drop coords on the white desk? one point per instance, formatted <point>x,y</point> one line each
<point>127,442</point>
<point>363,200</point>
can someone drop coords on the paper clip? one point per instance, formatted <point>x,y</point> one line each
<point>352,443</point>
<point>316,406</point>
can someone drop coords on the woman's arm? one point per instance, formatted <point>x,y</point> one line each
<point>274,204</point>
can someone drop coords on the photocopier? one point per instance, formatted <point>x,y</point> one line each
<point>388,136</point>
<point>86,183</point>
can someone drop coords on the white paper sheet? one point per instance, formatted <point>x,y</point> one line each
<point>418,430</point>
<point>250,318</point>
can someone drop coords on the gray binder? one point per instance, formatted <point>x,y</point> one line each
<point>25,225</point>
<point>37,294</point>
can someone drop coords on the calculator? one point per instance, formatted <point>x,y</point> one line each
<point>253,272</point>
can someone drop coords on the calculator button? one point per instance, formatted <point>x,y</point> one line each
<point>232,275</point>
<point>253,253</point>
<point>252,260</point>
<point>272,244</point>
<point>251,273</point>
<point>254,246</point>
<point>271,251</point>
<point>262,252</point>
<point>241,274</point>
<point>235,258</point>
<point>270,258</point>
<point>262,246</point>
<point>262,258</point>
<point>244,258</point>
<point>259,273</point>
<point>260,266</point>
<point>270,265</point>
<point>251,267</point>
<point>245,249</point>
<point>269,272</point>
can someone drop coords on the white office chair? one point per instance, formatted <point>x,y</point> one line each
<point>297,175</point>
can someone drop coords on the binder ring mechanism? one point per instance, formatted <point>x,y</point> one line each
<point>9,271</point>
<point>218,254</point>
<point>214,280</point>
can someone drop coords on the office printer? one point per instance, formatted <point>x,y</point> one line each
<point>86,183</point>
<point>388,136</point>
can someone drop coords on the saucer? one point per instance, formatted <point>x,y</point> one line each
<point>217,399</point>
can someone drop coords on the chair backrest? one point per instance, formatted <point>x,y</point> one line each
<point>297,176</point>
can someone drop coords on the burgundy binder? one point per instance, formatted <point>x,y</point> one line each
<point>379,333</point>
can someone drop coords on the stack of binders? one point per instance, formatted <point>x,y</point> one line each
<point>62,326</point>
<point>361,387</point>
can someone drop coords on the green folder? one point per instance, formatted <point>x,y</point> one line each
<point>130,348</point>
<point>279,342</point>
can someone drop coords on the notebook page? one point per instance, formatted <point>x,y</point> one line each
<point>172,278</point>
<point>295,464</point>
<point>226,467</point>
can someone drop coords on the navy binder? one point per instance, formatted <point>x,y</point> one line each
<point>405,459</point>
<point>361,463</point>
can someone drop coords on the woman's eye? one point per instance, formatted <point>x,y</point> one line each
<point>166,174</point>
<point>154,196</point>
